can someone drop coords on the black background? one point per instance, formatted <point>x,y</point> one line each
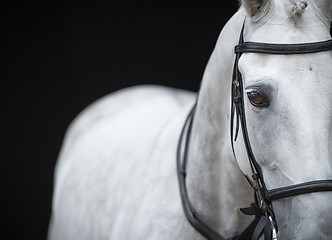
<point>58,57</point>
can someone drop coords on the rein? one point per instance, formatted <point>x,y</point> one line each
<point>191,214</point>
<point>264,222</point>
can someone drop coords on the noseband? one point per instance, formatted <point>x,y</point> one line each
<point>264,222</point>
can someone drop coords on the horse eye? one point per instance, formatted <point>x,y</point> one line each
<point>257,99</point>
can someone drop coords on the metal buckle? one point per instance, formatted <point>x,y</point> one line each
<point>274,231</point>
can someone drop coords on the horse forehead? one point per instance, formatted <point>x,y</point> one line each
<point>301,85</point>
<point>307,71</point>
<point>279,27</point>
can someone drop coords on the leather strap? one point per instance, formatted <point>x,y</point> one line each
<point>189,211</point>
<point>271,48</point>
<point>263,227</point>
<point>297,189</point>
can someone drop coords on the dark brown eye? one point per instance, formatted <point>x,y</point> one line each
<point>257,99</point>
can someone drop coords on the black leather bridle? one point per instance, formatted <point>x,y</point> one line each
<point>264,222</point>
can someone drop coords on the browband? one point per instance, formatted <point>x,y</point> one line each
<point>272,48</point>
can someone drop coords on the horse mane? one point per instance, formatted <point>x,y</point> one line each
<point>294,8</point>
<point>297,10</point>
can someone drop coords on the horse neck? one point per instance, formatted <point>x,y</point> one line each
<point>216,186</point>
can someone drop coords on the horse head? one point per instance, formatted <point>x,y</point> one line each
<point>288,105</point>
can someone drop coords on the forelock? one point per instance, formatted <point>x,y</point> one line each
<point>297,9</point>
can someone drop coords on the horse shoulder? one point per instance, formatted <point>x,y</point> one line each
<point>117,166</point>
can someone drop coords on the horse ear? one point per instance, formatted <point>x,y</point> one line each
<point>256,8</point>
<point>326,7</point>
